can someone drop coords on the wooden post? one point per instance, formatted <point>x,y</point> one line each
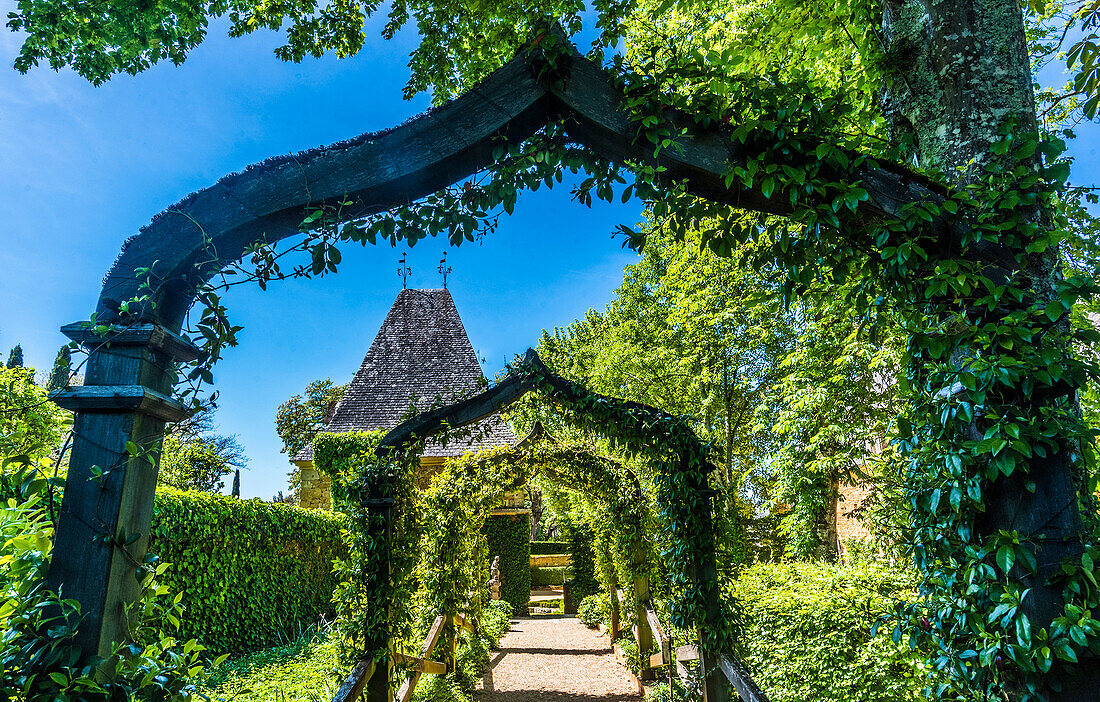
<point>644,635</point>
<point>126,398</point>
<point>715,688</point>
<point>380,506</point>
<point>613,593</point>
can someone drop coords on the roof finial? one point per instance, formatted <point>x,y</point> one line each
<point>404,270</point>
<point>444,269</point>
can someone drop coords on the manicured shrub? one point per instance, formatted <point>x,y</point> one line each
<point>547,548</point>
<point>595,610</point>
<point>549,575</point>
<point>806,633</point>
<point>251,573</point>
<point>509,537</point>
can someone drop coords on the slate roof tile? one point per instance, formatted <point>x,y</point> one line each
<point>420,356</point>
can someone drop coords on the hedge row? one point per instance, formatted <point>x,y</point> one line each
<point>548,548</point>
<point>806,635</point>
<point>549,575</point>
<point>250,572</point>
<point>509,537</point>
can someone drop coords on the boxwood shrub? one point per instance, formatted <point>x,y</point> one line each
<point>548,548</point>
<point>806,633</point>
<point>509,536</point>
<point>252,573</point>
<point>549,575</point>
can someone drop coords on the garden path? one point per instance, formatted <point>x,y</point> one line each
<point>558,659</point>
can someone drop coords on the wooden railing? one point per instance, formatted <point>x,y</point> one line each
<point>356,682</point>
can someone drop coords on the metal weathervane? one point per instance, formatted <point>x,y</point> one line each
<point>444,269</point>
<point>403,270</point>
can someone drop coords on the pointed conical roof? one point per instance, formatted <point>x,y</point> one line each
<point>420,355</point>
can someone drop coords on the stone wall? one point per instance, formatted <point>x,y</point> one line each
<point>316,489</point>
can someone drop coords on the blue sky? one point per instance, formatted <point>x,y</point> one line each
<point>83,168</point>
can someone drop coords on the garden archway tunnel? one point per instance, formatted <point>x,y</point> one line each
<point>134,342</point>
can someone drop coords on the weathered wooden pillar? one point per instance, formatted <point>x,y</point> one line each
<point>644,635</point>
<point>715,688</point>
<point>380,507</point>
<point>126,398</point>
<point>613,593</point>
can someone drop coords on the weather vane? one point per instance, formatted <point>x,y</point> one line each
<point>404,270</point>
<point>444,269</point>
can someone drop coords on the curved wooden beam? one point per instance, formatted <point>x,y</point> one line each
<point>194,239</point>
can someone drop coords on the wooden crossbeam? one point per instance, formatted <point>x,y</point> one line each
<point>664,643</point>
<point>356,682</point>
<point>687,653</point>
<point>405,693</point>
<point>739,678</point>
<point>420,665</point>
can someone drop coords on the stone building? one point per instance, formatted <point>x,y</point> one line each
<point>420,358</point>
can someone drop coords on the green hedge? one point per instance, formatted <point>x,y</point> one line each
<point>807,638</point>
<point>251,572</point>
<point>548,548</point>
<point>549,575</point>
<point>509,537</point>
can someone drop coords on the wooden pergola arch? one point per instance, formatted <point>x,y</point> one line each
<point>130,373</point>
<point>532,376</point>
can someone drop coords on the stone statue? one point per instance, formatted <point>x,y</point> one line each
<point>494,579</point>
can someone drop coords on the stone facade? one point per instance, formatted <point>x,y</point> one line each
<point>316,489</point>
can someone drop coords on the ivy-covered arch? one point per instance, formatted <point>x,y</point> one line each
<point>996,483</point>
<point>381,500</point>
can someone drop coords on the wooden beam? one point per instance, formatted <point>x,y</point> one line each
<point>687,653</point>
<point>405,692</point>
<point>120,398</point>
<point>740,679</point>
<point>356,682</point>
<point>420,665</point>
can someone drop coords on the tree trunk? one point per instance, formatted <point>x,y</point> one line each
<point>825,524</point>
<point>962,70</point>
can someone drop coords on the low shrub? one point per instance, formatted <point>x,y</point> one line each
<point>548,548</point>
<point>295,673</point>
<point>661,692</point>
<point>250,573</point>
<point>806,632</point>
<point>595,610</point>
<point>549,575</point>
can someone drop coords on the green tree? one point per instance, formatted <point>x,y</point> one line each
<point>30,425</point>
<point>301,417</point>
<point>62,368</point>
<point>192,465</point>
<point>15,358</point>
<point>236,489</point>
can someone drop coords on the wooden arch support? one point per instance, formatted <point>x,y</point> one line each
<point>130,375</point>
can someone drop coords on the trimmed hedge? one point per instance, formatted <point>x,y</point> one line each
<point>251,573</point>
<point>548,548</point>
<point>549,575</point>
<point>806,632</point>
<point>509,537</point>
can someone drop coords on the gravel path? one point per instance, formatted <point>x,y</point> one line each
<point>557,659</point>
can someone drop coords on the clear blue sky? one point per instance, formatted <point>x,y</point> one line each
<point>83,168</point>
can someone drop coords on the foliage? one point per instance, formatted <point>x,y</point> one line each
<point>304,671</point>
<point>192,465</point>
<point>547,548</point>
<point>595,610</point>
<point>62,368</point>
<point>807,633</point>
<point>300,418</point>
<point>39,660</point>
<point>508,536</point>
<point>549,575</point>
<point>15,358</point>
<point>30,425</point>
<point>248,571</point>
<point>383,531</point>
